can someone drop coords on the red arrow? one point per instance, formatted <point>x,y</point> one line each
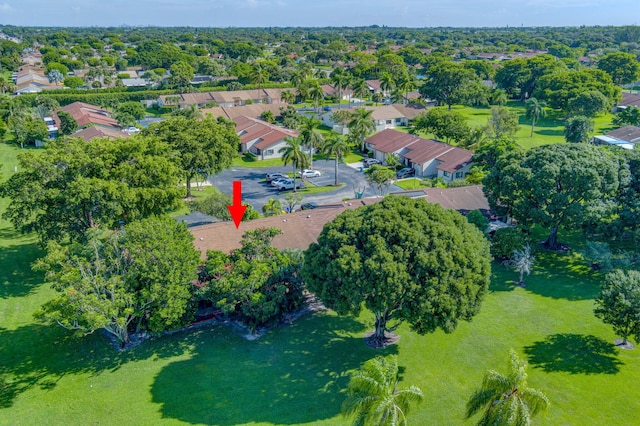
<point>237,209</point>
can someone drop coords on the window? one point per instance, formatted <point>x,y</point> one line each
<point>446,174</point>
<point>459,175</point>
<point>389,122</point>
<point>268,152</point>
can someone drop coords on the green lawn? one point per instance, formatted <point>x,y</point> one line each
<point>549,129</point>
<point>410,183</point>
<point>296,374</point>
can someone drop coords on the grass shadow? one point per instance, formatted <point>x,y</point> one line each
<point>557,132</point>
<point>16,276</point>
<point>575,354</point>
<point>30,360</point>
<point>293,375</point>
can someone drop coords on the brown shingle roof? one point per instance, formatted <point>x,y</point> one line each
<point>253,111</point>
<point>626,133</point>
<point>251,128</point>
<point>300,229</point>
<point>630,99</point>
<point>454,159</point>
<point>425,150</point>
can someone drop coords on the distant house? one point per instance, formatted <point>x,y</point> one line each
<point>87,115</point>
<point>252,111</point>
<point>30,79</point>
<point>261,138</point>
<point>427,157</point>
<point>135,82</point>
<point>628,100</point>
<point>384,117</point>
<point>89,133</point>
<point>625,137</point>
<point>224,98</point>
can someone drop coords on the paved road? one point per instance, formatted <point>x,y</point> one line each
<point>257,192</point>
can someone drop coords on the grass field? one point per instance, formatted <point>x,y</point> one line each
<point>296,374</point>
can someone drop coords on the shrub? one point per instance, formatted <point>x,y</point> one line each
<point>476,218</point>
<point>505,241</point>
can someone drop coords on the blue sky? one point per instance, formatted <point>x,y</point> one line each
<point>262,13</point>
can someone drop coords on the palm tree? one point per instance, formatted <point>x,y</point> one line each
<point>506,400</point>
<point>522,261</point>
<point>336,146</point>
<point>360,88</point>
<point>340,81</point>
<point>406,84</point>
<point>272,208</point>
<point>374,397</point>
<point>361,125</point>
<point>387,83</point>
<point>259,75</point>
<point>310,135</point>
<point>293,153</point>
<point>377,97</point>
<point>535,110</point>
<point>55,76</point>
<point>288,96</point>
<point>6,85</point>
<point>317,94</point>
<point>193,112</point>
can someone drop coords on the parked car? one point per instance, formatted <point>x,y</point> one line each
<point>367,162</point>
<point>309,206</point>
<point>309,173</point>
<point>406,172</point>
<point>272,176</point>
<point>288,184</point>
<point>276,181</point>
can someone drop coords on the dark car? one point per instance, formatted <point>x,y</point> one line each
<point>274,176</point>
<point>309,206</point>
<point>406,172</point>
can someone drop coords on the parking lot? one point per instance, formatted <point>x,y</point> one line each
<point>256,191</point>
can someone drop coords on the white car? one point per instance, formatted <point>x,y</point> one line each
<point>288,184</point>
<point>309,173</point>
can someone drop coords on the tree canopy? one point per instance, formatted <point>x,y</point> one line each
<point>552,185</point>
<point>134,279</point>
<point>405,260</point>
<point>74,185</point>
<point>619,303</point>
<point>204,147</point>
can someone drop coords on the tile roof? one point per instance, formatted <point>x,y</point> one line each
<point>254,110</point>
<point>626,133</point>
<point>454,159</point>
<point>250,129</point>
<point>300,229</point>
<point>92,132</point>
<point>389,141</point>
<point>86,114</point>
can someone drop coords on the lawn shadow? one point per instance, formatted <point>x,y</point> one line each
<point>295,374</point>
<point>40,355</point>
<point>16,276</point>
<point>575,354</point>
<point>562,276</point>
<point>556,132</point>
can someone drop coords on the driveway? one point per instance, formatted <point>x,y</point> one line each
<point>257,192</point>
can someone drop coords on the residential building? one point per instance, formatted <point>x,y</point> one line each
<point>384,117</point>
<point>427,157</point>
<point>261,138</point>
<point>626,137</point>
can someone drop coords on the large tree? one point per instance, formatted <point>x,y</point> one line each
<point>68,124</point>
<point>623,67</point>
<point>552,185</point>
<point>446,83</point>
<point>619,303</point>
<point>204,147</point>
<point>134,279</point>
<point>506,400</point>
<point>588,103</point>
<point>374,397</point>
<point>444,124</point>
<point>388,257</point>
<point>502,123</point>
<point>310,135</point>
<point>74,185</point>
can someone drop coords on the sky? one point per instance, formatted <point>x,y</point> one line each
<point>319,13</point>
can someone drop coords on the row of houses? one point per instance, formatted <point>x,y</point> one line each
<point>223,98</point>
<point>427,157</point>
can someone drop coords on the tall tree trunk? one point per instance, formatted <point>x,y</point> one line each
<point>552,241</point>
<point>378,338</point>
<point>533,123</point>
<point>295,167</point>
<point>188,185</point>
<point>336,184</point>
